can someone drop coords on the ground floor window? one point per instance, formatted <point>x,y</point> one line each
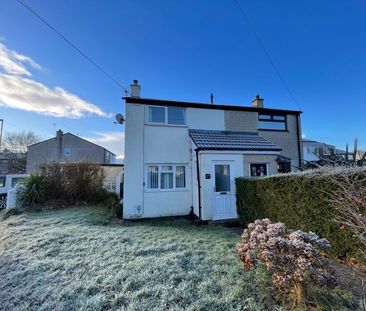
<point>258,169</point>
<point>284,166</point>
<point>166,176</point>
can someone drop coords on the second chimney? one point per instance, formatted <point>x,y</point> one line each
<point>257,102</point>
<point>135,89</point>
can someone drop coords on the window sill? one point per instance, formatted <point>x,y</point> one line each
<point>165,190</point>
<point>268,130</point>
<point>165,124</point>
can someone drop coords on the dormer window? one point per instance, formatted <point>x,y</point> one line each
<point>166,115</point>
<point>272,122</point>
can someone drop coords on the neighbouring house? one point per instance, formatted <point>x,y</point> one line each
<point>314,150</point>
<point>322,153</point>
<point>66,147</point>
<point>12,163</point>
<point>183,157</point>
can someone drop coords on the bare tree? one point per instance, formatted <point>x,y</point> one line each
<point>349,199</point>
<point>18,142</point>
<point>15,147</point>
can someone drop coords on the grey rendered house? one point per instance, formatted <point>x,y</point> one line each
<point>183,157</point>
<point>66,147</point>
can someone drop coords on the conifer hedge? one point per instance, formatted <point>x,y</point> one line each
<point>301,202</point>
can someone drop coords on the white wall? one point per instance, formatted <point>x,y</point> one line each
<point>204,119</point>
<point>134,163</point>
<point>167,145</point>
<point>309,150</point>
<point>161,144</point>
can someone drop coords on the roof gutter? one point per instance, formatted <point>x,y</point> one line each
<point>238,149</point>
<point>182,104</point>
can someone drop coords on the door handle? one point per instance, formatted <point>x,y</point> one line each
<point>223,192</point>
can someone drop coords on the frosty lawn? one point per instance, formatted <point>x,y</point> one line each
<point>73,259</point>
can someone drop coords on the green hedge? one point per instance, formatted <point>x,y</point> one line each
<point>301,202</point>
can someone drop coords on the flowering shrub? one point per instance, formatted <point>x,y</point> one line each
<point>313,200</point>
<point>292,257</point>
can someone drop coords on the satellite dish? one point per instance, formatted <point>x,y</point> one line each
<point>120,119</point>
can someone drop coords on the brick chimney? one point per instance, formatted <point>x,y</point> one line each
<point>257,102</point>
<point>135,89</point>
<point>59,134</point>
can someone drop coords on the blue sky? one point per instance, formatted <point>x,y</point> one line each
<point>183,50</point>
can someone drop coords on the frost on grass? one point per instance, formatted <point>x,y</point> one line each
<point>72,259</point>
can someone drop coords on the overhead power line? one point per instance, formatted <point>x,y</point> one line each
<point>266,52</point>
<point>34,13</point>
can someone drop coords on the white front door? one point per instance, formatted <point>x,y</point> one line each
<point>223,192</point>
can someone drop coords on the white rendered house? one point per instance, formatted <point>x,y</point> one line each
<point>314,150</point>
<point>183,157</point>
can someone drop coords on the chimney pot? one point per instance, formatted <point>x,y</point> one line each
<point>59,133</point>
<point>135,89</point>
<point>257,102</point>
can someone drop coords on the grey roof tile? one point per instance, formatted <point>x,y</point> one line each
<point>230,140</point>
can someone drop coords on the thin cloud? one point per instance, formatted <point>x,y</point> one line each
<point>15,63</point>
<point>26,94</point>
<point>113,141</point>
<point>18,90</point>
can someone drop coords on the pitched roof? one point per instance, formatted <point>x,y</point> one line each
<point>230,140</point>
<point>76,136</point>
<point>306,140</point>
<point>183,104</point>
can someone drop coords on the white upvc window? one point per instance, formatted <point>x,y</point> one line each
<point>67,152</point>
<point>166,115</point>
<point>164,177</point>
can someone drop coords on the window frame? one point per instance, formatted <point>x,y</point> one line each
<point>160,171</point>
<point>68,153</point>
<point>284,164</point>
<point>166,123</point>
<point>15,181</point>
<point>271,117</point>
<point>4,184</point>
<point>258,163</point>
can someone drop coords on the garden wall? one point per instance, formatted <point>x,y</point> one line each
<point>301,202</point>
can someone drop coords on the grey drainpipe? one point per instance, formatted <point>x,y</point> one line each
<point>199,184</point>
<point>298,140</point>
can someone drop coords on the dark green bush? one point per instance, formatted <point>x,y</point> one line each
<point>31,191</point>
<point>104,197</point>
<point>117,210</point>
<point>301,201</point>
<point>64,185</point>
<point>72,182</point>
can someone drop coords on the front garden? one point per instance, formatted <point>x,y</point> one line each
<point>76,259</point>
<point>73,259</point>
<point>66,248</point>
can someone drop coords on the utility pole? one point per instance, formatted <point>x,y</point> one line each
<point>1,132</point>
